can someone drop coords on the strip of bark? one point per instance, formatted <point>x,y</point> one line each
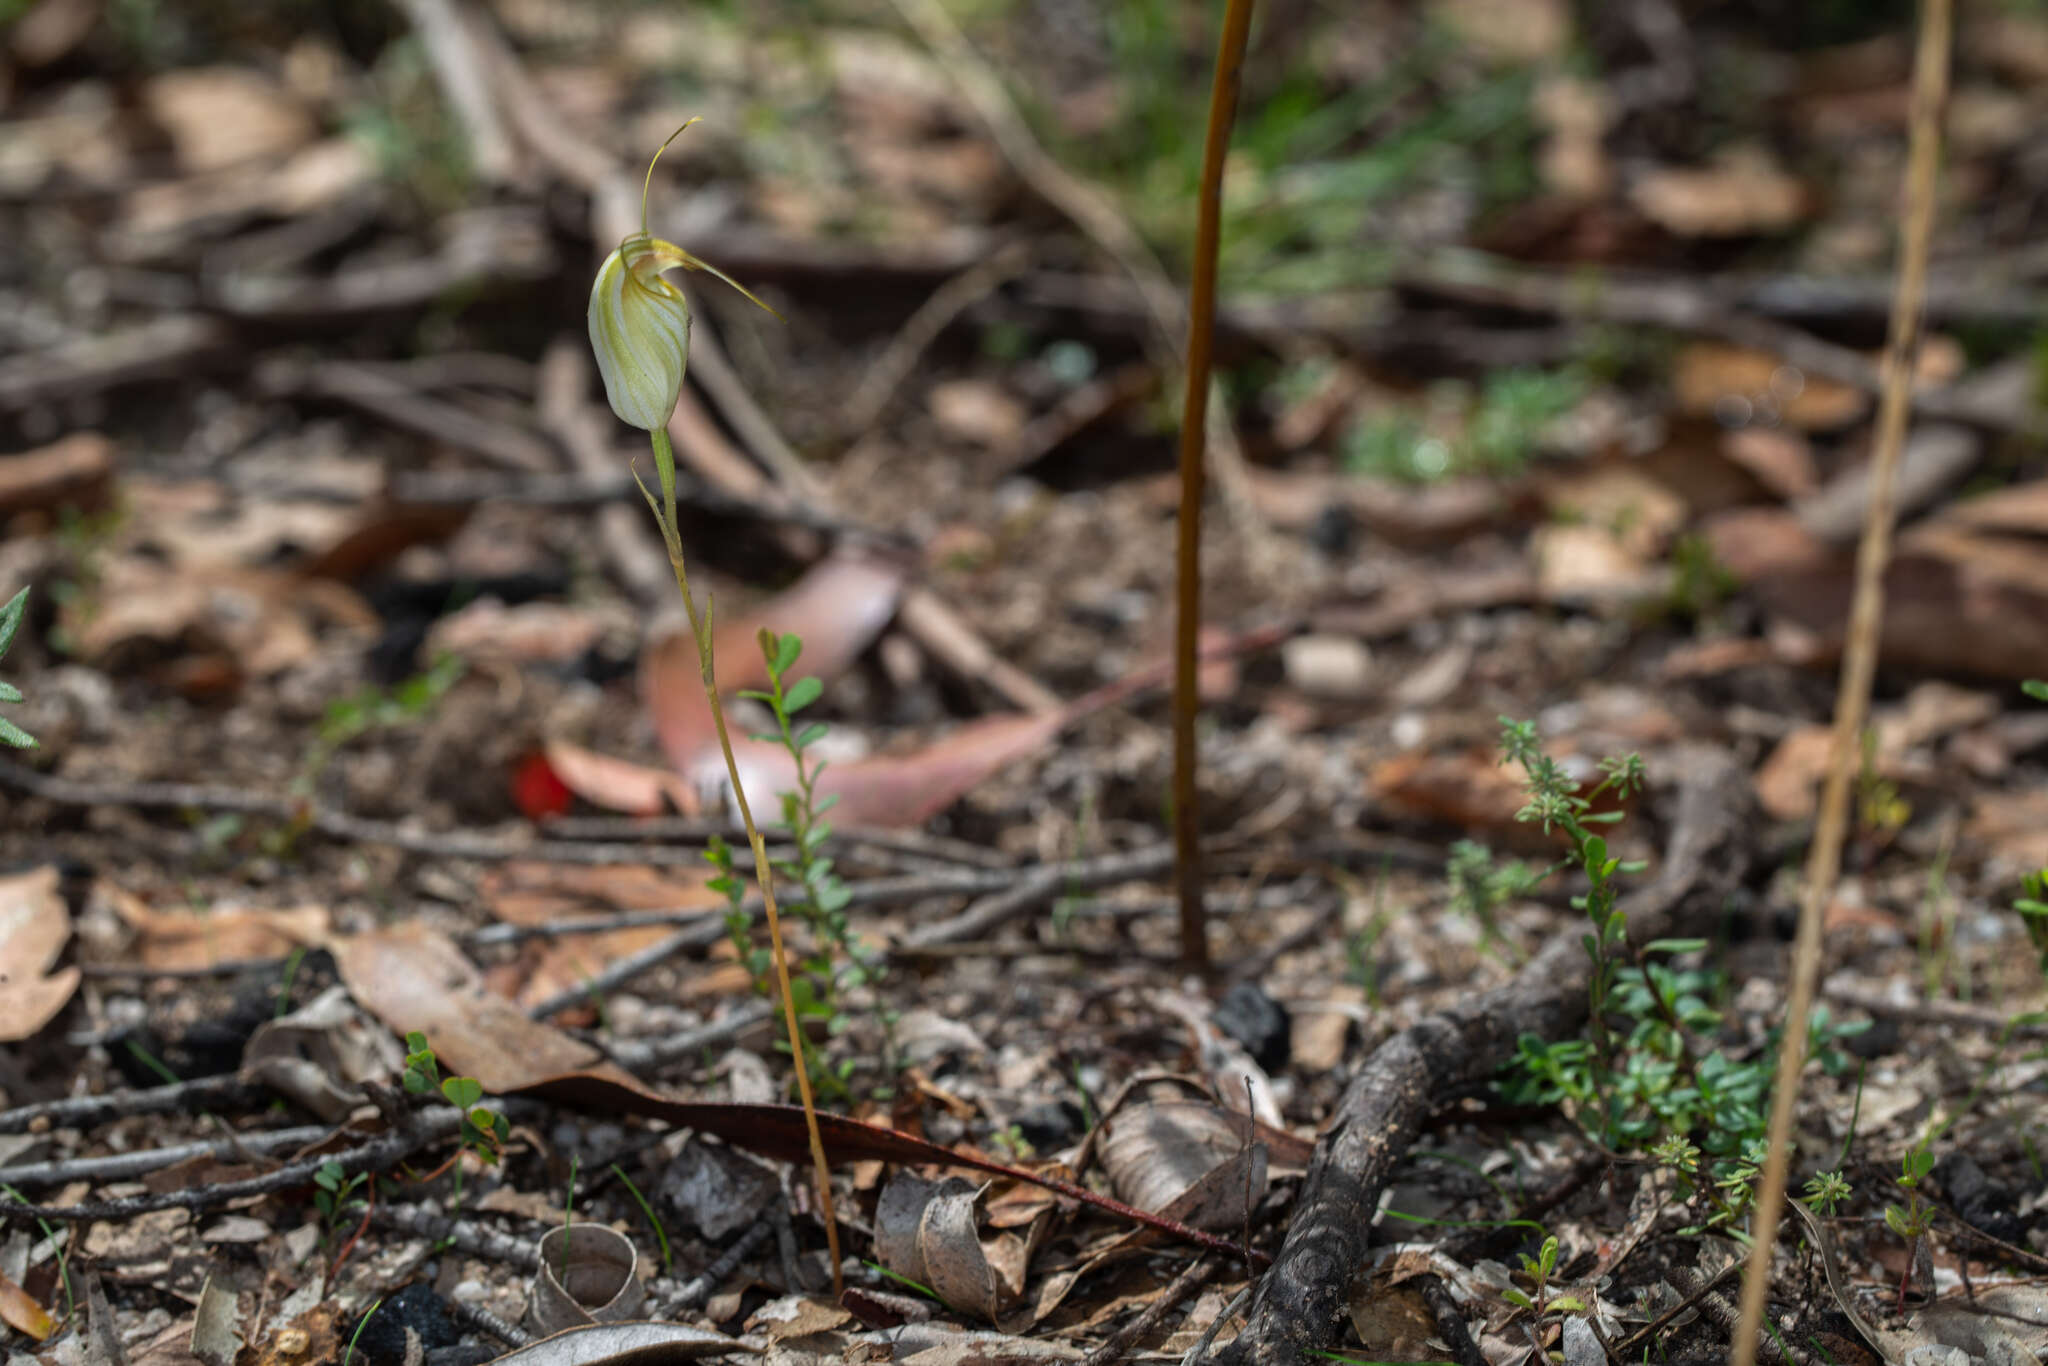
<point>1397,1089</point>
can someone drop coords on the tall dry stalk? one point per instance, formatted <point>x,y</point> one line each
<point>1859,655</point>
<point>1187,816</point>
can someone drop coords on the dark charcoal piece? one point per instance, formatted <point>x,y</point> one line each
<point>1334,530</point>
<point>1247,1014</point>
<point>1051,1125</point>
<point>1978,1200</point>
<point>417,1309</point>
<point>1881,1040</point>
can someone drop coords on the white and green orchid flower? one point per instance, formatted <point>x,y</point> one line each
<point>640,322</point>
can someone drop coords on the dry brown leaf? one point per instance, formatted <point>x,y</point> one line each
<point>489,632</point>
<point>1468,789</point>
<point>19,1311</point>
<point>2013,826</point>
<point>1394,1322</point>
<point>619,784</point>
<point>34,926</point>
<point>926,1230</point>
<point>1710,378</point>
<point>545,894</point>
<point>794,1317</point>
<point>189,938</point>
<point>1788,783</point>
<point>1576,112</point>
<point>1510,31</point>
<point>977,410</point>
<point>414,978</point>
<point>220,116</point>
<point>837,608</point>
<point>1745,192</point>
<point>1782,461</point>
<point>72,473</point>
<point>1189,1160</point>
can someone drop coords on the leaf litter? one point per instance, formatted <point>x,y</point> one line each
<point>1662,570</point>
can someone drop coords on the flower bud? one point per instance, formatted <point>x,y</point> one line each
<point>640,330</point>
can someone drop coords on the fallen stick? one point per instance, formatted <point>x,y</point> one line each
<point>1400,1086</point>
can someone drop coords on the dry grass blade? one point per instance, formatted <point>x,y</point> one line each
<point>1859,659</point>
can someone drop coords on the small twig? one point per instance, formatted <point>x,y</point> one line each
<point>484,1321</point>
<point>639,1054</point>
<point>1197,1353</point>
<point>477,1239</point>
<point>1450,1321</point>
<point>226,1092</point>
<point>1762,1346</point>
<point>422,1128</point>
<point>1859,656</point>
<point>334,824</point>
<point>1701,1289</point>
<point>1165,1302</point>
<point>1094,872</point>
<point>699,1287</point>
<point>127,1166</point>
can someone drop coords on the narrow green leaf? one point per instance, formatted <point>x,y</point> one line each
<point>14,735</point>
<point>786,651</point>
<point>10,619</point>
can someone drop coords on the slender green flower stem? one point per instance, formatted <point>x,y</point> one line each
<point>700,629</point>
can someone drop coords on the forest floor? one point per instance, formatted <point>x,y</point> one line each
<point>1548,356</point>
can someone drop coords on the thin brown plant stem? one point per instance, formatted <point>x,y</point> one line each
<point>1187,816</point>
<point>700,629</point>
<point>1859,656</point>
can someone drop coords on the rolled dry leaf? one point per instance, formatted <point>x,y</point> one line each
<point>588,1274</point>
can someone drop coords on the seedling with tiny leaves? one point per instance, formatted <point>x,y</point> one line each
<point>10,622</point>
<point>1912,1219</point>
<point>484,1131</point>
<point>334,1195</point>
<point>1647,1077</point>
<point>1537,1271</point>
<point>838,960</point>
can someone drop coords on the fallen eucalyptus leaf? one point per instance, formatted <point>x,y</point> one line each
<point>623,1344</point>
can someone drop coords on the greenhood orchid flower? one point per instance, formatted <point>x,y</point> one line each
<point>640,322</point>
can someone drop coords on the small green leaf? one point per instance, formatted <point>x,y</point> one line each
<point>2034,687</point>
<point>10,693</point>
<point>811,734</point>
<point>786,651</point>
<point>462,1092</point>
<point>1516,1297</point>
<point>802,693</point>
<point>10,619</point>
<point>14,735</point>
